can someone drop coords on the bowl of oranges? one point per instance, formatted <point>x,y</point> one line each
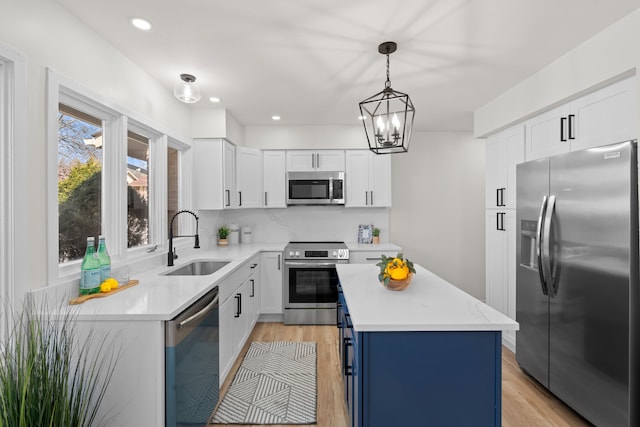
<point>395,272</point>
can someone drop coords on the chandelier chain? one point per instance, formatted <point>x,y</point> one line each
<point>388,82</point>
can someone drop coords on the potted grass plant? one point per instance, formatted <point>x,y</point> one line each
<point>223,233</point>
<point>375,235</point>
<point>48,375</point>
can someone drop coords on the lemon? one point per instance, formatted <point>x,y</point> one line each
<point>113,282</point>
<point>105,286</point>
<point>397,269</point>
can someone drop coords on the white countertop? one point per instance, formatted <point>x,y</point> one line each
<point>159,297</point>
<point>429,304</point>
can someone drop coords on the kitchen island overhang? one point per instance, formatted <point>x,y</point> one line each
<point>428,354</point>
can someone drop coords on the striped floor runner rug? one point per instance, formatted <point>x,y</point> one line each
<point>275,384</point>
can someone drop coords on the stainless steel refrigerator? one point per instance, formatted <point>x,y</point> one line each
<point>577,280</point>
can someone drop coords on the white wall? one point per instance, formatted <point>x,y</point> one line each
<point>609,55</point>
<point>438,207</point>
<point>48,36</point>
<point>438,199</point>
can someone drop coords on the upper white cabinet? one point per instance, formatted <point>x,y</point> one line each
<point>503,152</point>
<point>249,177</point>
<point>214,174</point>
<point>310,160</point>
<point>368,179</point>
<point>602,117</point>
<point>274,178</point>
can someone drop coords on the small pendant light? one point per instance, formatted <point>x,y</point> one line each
<point>186,90</point>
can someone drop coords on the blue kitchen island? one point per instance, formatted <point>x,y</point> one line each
<point>429,355</point>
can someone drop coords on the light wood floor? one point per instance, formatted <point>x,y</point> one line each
<point>524,402</point>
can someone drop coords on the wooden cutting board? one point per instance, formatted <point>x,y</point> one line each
<point>83,298</point>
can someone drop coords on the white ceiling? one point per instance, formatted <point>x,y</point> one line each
<point>312,61</point>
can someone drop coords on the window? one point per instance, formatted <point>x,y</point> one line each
<point>80,147</point>
<point>116,176</point>
<point>137,190</point>
<point>172,188</point>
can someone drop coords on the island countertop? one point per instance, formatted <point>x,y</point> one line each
<point>429,304</point>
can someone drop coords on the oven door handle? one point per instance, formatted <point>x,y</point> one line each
<point>309,264</point>
<point>199,314</point>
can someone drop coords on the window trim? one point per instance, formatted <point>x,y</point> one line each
<point>118,121</point>
<point>13,141</point>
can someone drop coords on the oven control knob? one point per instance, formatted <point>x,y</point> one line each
<point>335,254</point>
<point>297,254</point>
<point>291,253</point>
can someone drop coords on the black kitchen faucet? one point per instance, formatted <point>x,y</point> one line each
<point>172,255</point>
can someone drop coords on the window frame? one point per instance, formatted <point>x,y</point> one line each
<point>13,189</point>
<point>117,121</point>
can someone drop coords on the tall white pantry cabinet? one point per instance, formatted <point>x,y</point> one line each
<point>604,116</point>
<point>503,152</point>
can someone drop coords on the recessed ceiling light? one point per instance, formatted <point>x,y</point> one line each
<point>214,99</point>
<point>275,117</point>
<point>141,24</point>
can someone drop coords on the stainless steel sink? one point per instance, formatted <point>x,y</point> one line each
<point>197,268</point>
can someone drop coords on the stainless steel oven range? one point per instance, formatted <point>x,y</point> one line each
<point>311,281</point>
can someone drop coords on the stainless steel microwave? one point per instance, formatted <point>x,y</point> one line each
<point>315,188</point>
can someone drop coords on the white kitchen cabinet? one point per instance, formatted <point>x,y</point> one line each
<point>274,178</point>
<point>368,179</point>
<point>364,257</point>
<point>605,116</point>
<point>500,241</point>
<point>503,152</point>
<point>214,174</point>
<point>254,280</point>
<point>249,177</point>
<point>315,160</point>
<point>271,283</point>
<point>238,311</point>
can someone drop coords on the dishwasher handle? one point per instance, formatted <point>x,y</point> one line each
<point>208,308</point>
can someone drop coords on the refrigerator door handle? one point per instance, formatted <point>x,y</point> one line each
<point>546,244</point>
<point>539,228</point>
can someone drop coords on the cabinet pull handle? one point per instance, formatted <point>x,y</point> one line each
<point>228,198</point>
<point>318,160</point>
<point>562,122</point>
<point>366,198</point>
<point>571,120</point>
<point>500,221</point>
<point>253,289</point>
<point>338,306</point>
<point>240,198</point>
<point>347,369</point>
<point>279,261</point>
<point>254,265</point>
<point>237,297</point>
<point>500,196</point>
<point>371,197</point>
<point>265,199</point>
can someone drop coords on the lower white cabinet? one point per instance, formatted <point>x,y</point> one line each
<point>238,312</point>
<point>500,253</point>
<point>271,283</point>
<point>364,257</point>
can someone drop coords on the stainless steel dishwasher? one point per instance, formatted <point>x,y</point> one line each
<point>191,363</point>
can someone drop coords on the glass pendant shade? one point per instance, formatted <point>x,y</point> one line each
<point>388,115</point>
<point>186,90</point>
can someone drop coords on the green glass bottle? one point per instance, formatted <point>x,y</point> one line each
<point>90,270</point>
<point>104,258</point>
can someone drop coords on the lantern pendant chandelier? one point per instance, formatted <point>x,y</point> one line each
<point>388,115</point>
<point>186,89</point>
